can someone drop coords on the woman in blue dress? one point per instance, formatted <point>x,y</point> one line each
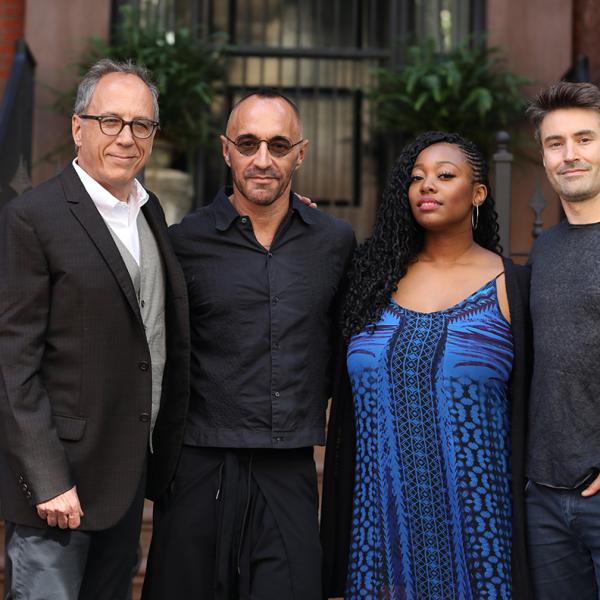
<point>437,330</point>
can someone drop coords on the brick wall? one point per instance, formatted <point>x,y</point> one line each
<point>12,27</point>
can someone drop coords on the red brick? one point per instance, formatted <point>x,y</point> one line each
<point>15,12</point>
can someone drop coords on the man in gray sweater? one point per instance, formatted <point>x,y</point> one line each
<point>563,503</point>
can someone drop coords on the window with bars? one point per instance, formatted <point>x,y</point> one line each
<point>322,54</point>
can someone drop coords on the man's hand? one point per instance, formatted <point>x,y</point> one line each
<point>307,201</point>
<point>593,488</point>
<point>64,510</point>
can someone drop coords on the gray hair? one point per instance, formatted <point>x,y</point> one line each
<point>103,67</point>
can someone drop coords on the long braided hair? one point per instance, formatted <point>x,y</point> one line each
<point>382,260</point>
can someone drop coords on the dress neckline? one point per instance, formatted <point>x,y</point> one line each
<point>454,306</point>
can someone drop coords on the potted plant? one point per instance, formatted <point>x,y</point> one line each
<point>466,90</point>
<point>186,68</point>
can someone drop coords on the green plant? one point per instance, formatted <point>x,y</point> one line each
<point>186,69</point>
<point>466,90</point>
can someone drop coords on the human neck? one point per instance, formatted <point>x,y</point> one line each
<point>582,213</point>
<point>266,219</point>
<point>447,250</point>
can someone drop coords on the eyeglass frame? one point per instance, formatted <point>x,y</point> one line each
<point>124,123</point>
<point>260,141</point>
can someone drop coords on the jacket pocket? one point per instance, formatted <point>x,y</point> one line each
<point>69,428</point>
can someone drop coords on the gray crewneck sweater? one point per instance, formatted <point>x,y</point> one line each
<point>564,415</point>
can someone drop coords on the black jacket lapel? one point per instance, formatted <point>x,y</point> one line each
<point>156,220</point>
<point>87,214</point>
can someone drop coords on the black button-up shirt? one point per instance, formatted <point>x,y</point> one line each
<point>262,324</point>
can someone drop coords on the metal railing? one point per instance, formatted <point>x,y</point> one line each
<point>16,125</point>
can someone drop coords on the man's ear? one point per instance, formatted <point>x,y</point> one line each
<point>300,157</point>
<point>76,130</point>
<point>225,148</point>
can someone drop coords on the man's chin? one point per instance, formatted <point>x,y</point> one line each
<point>577,195</point>
<point>262,199</point>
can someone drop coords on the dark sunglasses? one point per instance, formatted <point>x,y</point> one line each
<point>248,145</point>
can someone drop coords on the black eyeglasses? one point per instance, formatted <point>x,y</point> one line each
<point>113,125</point>
<point>248,145</point>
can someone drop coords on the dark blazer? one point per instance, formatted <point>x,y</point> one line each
<point>75,372</point>
<point>338,481</point>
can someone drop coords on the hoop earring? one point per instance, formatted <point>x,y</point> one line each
<point>475,216</point>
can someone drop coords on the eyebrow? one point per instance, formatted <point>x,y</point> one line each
<point>277,136</point>
<point>439,162</point>
<point>590,132</point>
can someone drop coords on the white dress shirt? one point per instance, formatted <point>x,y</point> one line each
<point>121,217</point>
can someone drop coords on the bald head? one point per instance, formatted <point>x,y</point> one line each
<point>267,95</point>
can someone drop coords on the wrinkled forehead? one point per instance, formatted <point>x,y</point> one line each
<point>265,118</point>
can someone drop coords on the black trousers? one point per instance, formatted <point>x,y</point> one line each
<point>237,524</point>
<point>65,564</point>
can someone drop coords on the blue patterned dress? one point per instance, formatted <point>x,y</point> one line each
<point>432,513</point>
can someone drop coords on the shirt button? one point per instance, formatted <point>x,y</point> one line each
<point>275,299</point>
<point>270,254</point>
<point>275,345</point>
<point>142,303</point>
<point>276,394</point>
<point>244,219</point>
<point>144,417</point>
<point>143,365</point>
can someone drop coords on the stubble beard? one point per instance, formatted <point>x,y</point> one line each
<point>577,194</point>
<point>257,197</point>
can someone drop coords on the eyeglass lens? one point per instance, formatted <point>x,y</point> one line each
<point>139,127</point>
<point>249,145</point>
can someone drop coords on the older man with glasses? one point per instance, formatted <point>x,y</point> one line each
<point>94,352</point>
<point>263,273</point>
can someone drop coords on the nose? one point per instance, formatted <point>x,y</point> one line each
<point>569,151</point>
<point>428,183</point>
<point>126,135</point>
<point>262,158</point>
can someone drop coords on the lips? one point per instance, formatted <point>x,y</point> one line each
<point>263,175</point>
<point>428,204</point>
<point>122,158</point>
<point>573,172</point>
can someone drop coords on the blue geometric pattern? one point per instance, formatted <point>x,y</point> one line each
<point>432,514</point>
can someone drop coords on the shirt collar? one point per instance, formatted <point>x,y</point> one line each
<point>226,213</point>
<point>307,214</point>
<point>102,198</point>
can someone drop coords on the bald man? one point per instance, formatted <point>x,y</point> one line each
<point>263,273</point>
